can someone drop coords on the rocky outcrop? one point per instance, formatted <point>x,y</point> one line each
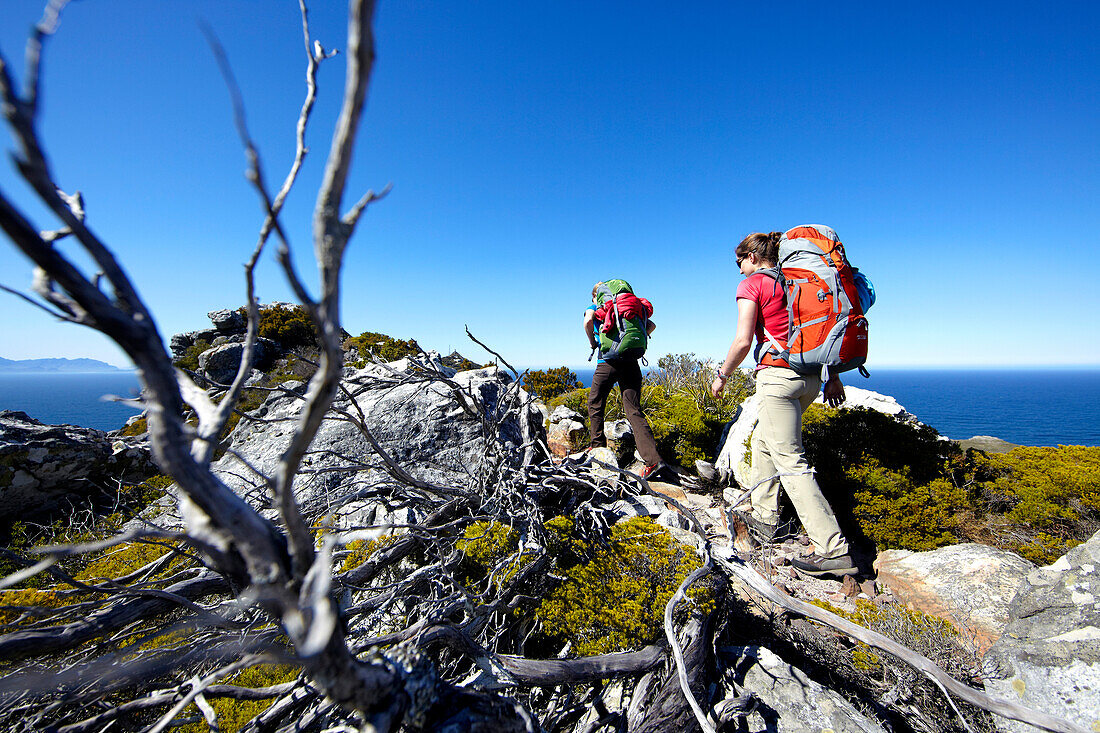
<point>567,432</point>
<point>434,429</point>
<point>220,363</point>
<point>40,464</point>
<point>969,585</point>
<point>1049,655</point>
<point>789,701</point>
<point>988,444</point>
<point>733,455</point>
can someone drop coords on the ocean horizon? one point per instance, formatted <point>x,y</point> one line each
<point>1042,407</point>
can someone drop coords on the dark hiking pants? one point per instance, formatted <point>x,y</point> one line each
<point>628,375</point>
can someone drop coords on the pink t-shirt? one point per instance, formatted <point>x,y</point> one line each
<point>771,305</point>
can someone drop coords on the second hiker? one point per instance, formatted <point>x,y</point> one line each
<point>617,324</point>
<point>777,454</point>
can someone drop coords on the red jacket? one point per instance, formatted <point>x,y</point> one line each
<point>628,305</point>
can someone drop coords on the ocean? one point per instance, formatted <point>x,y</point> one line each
<point>1029,407</point>
<point>71,398</point>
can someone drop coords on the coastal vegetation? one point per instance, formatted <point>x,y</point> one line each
<point>899,485</point>
<point>686,420</point>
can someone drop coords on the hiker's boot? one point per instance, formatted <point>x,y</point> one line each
<point>649,471</point>
<point>762,532</point>
<point>822,567</point>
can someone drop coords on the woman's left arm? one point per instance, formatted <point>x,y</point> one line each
<point>742,342</point>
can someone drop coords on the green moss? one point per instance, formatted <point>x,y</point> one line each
<point>16,600</point>
<point>122,560</point>
<point>615,600</point>
<point>361,550</point>
<point>234,715</point>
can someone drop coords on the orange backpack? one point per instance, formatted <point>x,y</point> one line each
<point>828,329</point>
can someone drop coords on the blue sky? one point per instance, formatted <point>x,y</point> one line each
<point>535,148</point>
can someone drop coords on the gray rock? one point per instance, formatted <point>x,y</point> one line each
<point>969,585</point>
<point>620,439</point>
<point>181,342</point>
<point>987,443</point>
<point>1049,655</point>
<point>433,431</point>
<point>791,702</point>
<point>220,363</point>
<point>227,321</point>
<point>566,436</point>
<point>562,413</point>
<point>40,463</point>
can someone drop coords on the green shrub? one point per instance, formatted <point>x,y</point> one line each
<point>287,327</point>
<point>382,347</point>
<point>615,601</point>
<point>551,383</point>
<point>684,433</point>
<point>901,486</point>
<point>233,715</point>
<point>1050,497</point>
<point>190,359</point>
<point>689,377</point>
<point>139,426</point>
<point>576,400</point>
<point>488,544</point>
<point>930,635</point>
<point>896,513</point>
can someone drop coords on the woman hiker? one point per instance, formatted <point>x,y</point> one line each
<point>777,454</point>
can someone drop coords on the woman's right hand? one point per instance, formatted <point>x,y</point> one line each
<point>717,385</point>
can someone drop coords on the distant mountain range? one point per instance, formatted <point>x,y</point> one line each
<point>39,366</point>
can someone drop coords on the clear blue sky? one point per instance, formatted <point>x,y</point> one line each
<point>535,148</point>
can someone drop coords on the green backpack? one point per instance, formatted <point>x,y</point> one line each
<point>628,338</point>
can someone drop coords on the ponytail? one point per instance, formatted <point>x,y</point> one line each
<point>764,246</point>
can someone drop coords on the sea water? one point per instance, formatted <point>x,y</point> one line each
<point>1027,407</point>
<point>73,399</point>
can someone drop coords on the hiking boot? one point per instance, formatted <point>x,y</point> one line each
<point>819,566</point>
<point>651,469</point>
<point>762,532</point>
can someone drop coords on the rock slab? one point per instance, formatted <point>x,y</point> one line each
<point>969,585</point>
<point>791,702</point>
<point>1049,655</point>
<point>41,463</point>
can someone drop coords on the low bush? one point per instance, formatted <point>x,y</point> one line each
<point>288,327</point>
<point>898,484</point>
<point>551,383</point>
<point>686,420</point>
<point>615,600</point>
<point>234,715</point>
<point>379,346</point>
<point>190,359</point>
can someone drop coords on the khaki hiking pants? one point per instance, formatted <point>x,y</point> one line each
<point>784,395</point>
